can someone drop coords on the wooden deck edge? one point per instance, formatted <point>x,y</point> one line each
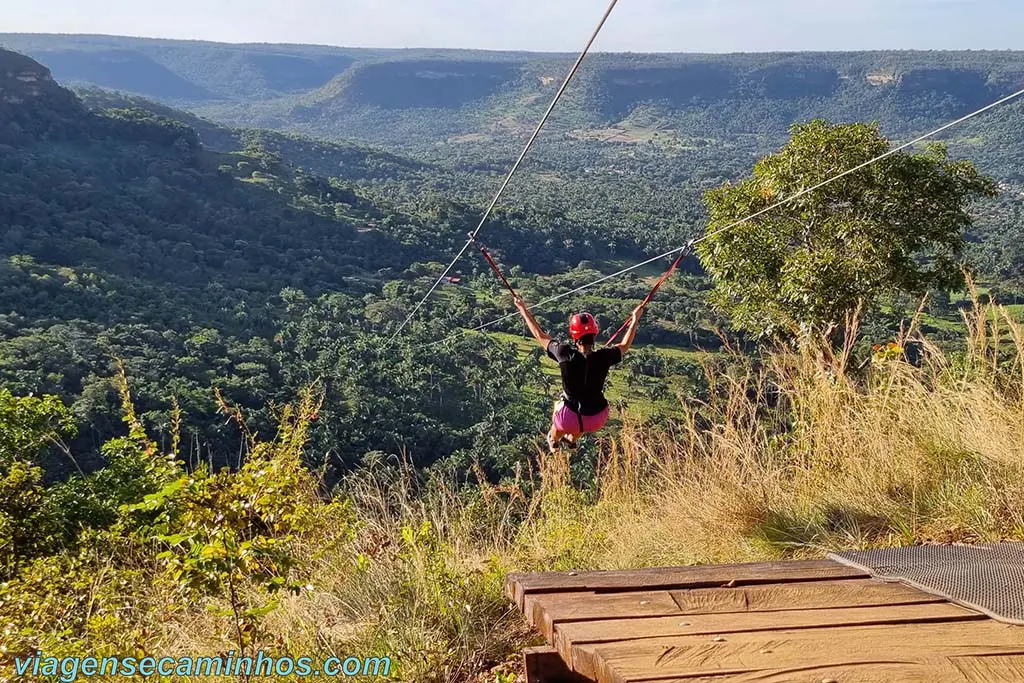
<point>511,581</point>
<point>518,585</point>
<point>545,665</point>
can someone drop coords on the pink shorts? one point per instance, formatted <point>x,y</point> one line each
<point>568,422</point>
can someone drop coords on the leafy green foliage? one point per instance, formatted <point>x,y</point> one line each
<point>31,424</point>
<point>144,518</point>
<point>895,227</point>
<point>29,427</point>
<point>223,530</point>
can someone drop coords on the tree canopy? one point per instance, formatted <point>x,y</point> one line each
<point>894,227</point>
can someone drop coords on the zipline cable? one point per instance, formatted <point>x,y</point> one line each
<point>495,268</point>
<point>654,290</point>
<point>515,167</point>
<point>870,162</point>
<point>559,297</point>
<point>751,217</point>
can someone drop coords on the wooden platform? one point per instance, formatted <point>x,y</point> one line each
<point>792,622</point>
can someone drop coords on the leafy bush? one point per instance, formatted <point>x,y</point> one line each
<point>91,563</point>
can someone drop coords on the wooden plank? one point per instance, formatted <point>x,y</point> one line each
<point>991,668</point>
<point>549,609</point>
<point>703,576</point>
<point>546,610</point>
<point>727,678</point>
<point>795,650</point>
<point>534,604</point>
<point>973,669</point>
<point>587,605</point>
<point>572,638</point>
<point>936,671</point>
<point>790,596</point>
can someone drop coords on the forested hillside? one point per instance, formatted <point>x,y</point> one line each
<point>415,98</point>
<point>627,155</point>
<point>147,228</point>
<point>125,238</point>
<point>233,265</point>
<point>193,250</point>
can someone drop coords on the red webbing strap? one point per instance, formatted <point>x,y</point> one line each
<point>654,290</point>
<point>494,266</point>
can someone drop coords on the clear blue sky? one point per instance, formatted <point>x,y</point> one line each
<point>562,25</point>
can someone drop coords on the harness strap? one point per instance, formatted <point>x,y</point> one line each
<point>575,406</point>
<point>492,264</point>
<point>654,290</point>
<point>586,376</point>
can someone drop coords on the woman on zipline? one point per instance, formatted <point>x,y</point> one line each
<point>583,408</point>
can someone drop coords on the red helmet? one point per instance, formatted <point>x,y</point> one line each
<point>581,325</point>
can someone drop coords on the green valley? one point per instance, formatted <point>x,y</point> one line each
<point>219,435</point>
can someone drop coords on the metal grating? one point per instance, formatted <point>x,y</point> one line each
<point>986,578</point>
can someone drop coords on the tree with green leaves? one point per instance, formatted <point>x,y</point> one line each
<point>29,427</point>
<point>895,227</point>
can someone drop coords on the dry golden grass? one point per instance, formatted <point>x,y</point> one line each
<point>793,455</point>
